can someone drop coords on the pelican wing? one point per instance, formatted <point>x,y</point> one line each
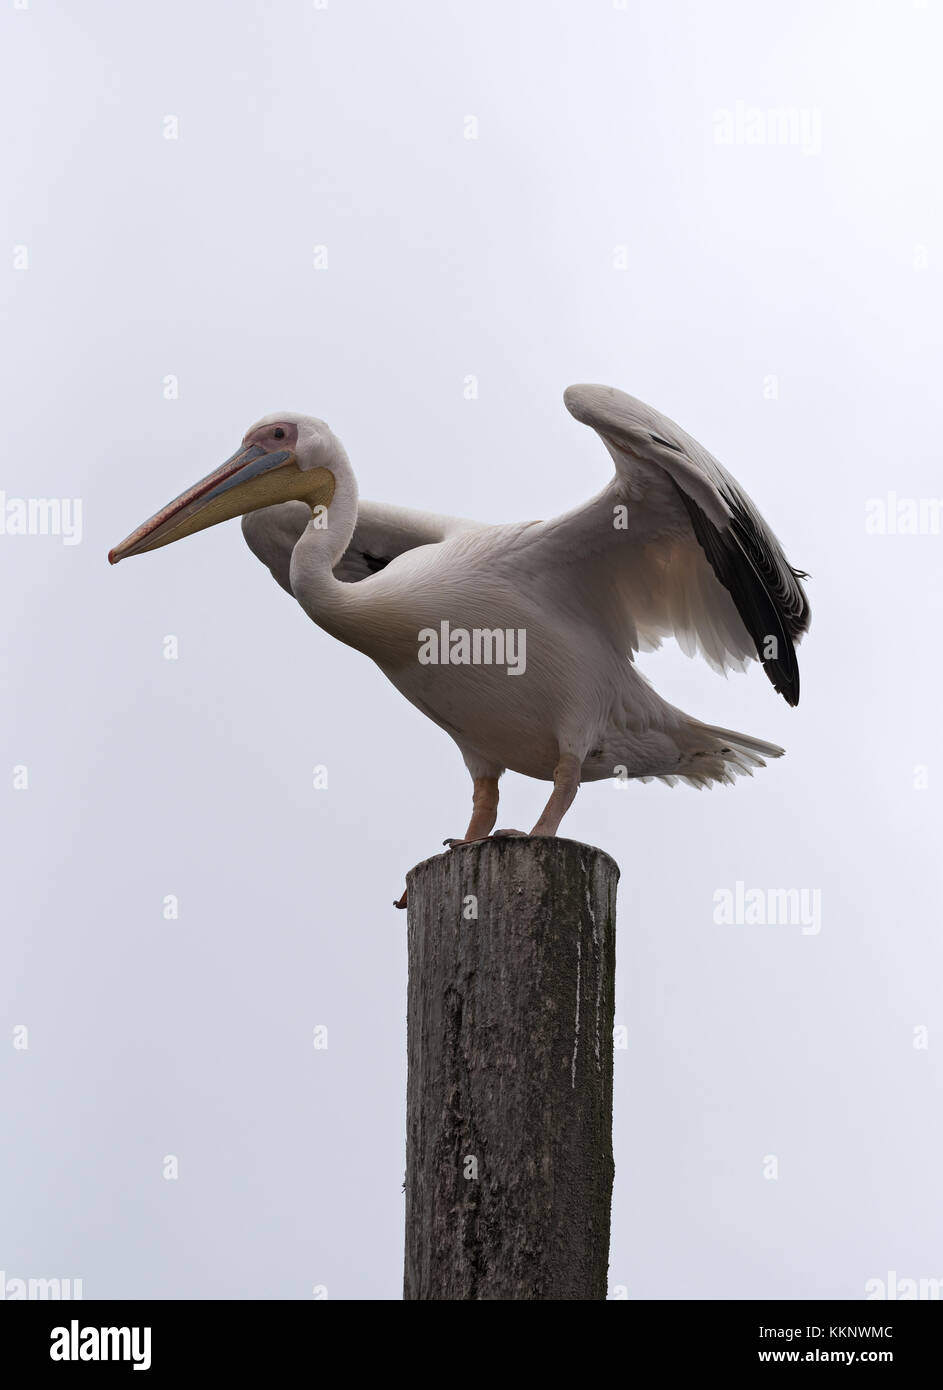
<point>382,533</point>
<point>693,556</point>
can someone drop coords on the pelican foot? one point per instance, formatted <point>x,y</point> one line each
<point>401,902</point>
<point>507,834</point>
<point>450,844</point>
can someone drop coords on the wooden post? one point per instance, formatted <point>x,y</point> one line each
<point>509,1097</point>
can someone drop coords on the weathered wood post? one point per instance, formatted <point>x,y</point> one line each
<point>509,1098</point>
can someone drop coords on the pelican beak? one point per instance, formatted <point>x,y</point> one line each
<point>249,480</point>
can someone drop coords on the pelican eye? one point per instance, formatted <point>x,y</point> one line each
<point>279,433</point>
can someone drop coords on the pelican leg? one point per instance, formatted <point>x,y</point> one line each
<point>566,783</point>
<point>484,811</point>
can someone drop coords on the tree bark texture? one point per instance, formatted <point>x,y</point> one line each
<point>509,1097</point>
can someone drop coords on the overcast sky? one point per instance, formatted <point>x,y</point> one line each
<point>218,210</point>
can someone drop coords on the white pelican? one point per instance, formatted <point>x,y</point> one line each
<point>518,639</point>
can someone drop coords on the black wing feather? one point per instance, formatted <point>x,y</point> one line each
<point>770,605</point>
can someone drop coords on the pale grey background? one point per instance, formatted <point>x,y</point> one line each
<point>343,127</point>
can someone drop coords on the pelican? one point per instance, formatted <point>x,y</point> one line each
<point>519,640</point>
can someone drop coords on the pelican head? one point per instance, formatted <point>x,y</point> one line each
<point>282,458</point>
